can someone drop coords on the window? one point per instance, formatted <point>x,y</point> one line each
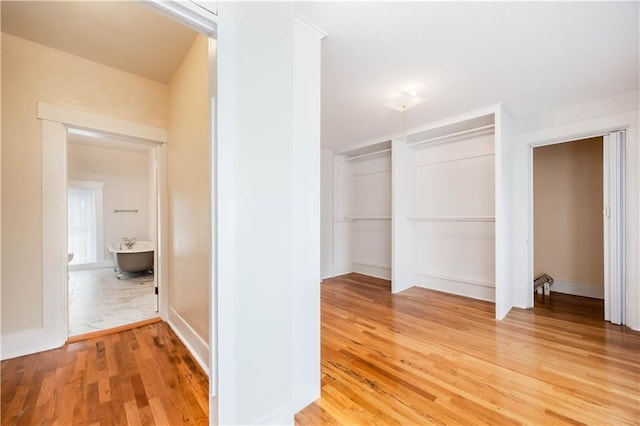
<point>84,216</point>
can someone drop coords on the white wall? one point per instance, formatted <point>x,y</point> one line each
<point>504,190</point>
<point>403,183</point>
<point>326,213</point>
<point>342,199</point>
<point>574,122</point>
<point>306,215</point>
<point>125,174</point>
<point>189,198</point>
<point>262,65</point>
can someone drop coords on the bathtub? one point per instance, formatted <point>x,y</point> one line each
<point>138,258</point>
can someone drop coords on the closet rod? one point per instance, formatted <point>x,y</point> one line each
<point>453,160</point>
<point>452,135</point>
<point>354,218</point>
<point>368,154</point>
<point>452,218</point>
<point>457,279</point>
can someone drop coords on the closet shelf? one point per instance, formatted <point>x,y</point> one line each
<point>480,283</point>
<point>452,218</point>
<point>451,135</point>
<point>433,163</point>
<point>356,218</point>
<point>368,154</point>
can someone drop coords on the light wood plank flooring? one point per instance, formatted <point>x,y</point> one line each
<point>142,376</point>
<point>424,357</point>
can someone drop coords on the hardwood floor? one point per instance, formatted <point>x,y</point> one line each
<point>425,357</point>
<point>142,376</point>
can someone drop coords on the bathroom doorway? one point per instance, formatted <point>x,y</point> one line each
<point>112,231</point>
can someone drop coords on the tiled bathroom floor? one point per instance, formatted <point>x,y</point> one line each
<point>98,300</point>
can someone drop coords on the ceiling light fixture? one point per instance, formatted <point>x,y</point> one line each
<point>406,100</point>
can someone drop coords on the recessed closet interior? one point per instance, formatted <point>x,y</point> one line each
<point>362,211</point>
<point>568,222</point>
<point>420,210</point>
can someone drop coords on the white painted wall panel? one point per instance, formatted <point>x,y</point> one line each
<point>371,242</point>
<point>460,188</point>
<point>403,234</point>
<point>456,249</point>
<point>342,260</point>
<point>342,190</point>
<point>306,218</point>
<point>268,321</point>
<point>326,213</point>
<point>372,194</point>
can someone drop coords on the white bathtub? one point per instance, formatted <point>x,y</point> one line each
<point>138,258</point>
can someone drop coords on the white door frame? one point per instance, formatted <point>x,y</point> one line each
<point>615,235</point>
<point>55,122</point>
<point>618,237</point>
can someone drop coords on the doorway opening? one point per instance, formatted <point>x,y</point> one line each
<point>112,231</point>
<point>578,221</point>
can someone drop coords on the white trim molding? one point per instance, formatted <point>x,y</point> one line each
<point>192,340</point>
<point>94,265</point>
<point>476,289</point>
<point>27,342</point>
<point>88,120</point>
<point>198,15</point>
<point>53,332</point>
<point>372,270</point>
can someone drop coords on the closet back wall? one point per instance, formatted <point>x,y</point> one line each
<point>454,217</point>
<point>568,226</point>
<point>371,216</point>
<point>362,215</point>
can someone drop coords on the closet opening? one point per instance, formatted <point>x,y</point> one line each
<point>423,210</point>
<point>362,211</point>
<point>578,228</point>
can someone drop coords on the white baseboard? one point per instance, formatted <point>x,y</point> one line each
<point>377,271</point>
<point>194,343</point>
<point>460,287</point>
<point>342,270</point>
<point>584,290</point>
<point>282,416</point>
<point>13,345</point>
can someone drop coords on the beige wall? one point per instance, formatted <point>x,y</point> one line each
<point>127,185</point>
<point>32,73</point>
<point>189,189</point>
<point>568,211</point>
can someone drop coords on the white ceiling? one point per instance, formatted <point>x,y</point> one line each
<point>121,34</point>
<point>534,56</point>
